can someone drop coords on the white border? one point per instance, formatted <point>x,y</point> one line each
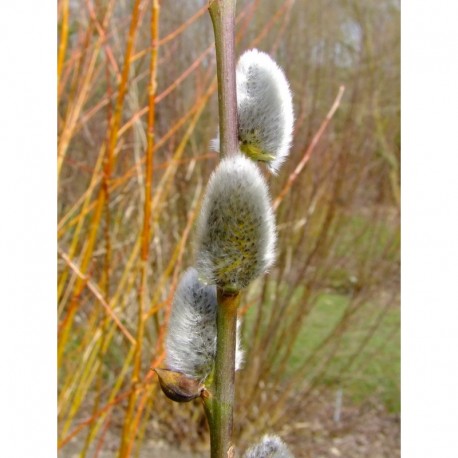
<point>429,229</point>
<point>28,381</point>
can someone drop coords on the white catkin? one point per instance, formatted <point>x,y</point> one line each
<point>191,338</point>
<point>269,447</point>
<point>236,229</point>
<point>264,108</point>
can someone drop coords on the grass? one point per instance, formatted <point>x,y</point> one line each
<point>360,372</point>
<point>375,369</point>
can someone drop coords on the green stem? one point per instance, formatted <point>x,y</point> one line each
<point>220,413</point>
<point>222,13</point>
<point>219,406</point>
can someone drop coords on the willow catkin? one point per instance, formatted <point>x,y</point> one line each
<point>191,338</point>
<point>264,110</point>
<point>236,228</point>
<point>269,447</point>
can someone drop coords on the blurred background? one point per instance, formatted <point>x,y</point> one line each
<point>137,109</point>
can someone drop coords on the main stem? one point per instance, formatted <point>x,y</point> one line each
<point>222,13</point>
<point>222,402</point>
<point>220,406</point>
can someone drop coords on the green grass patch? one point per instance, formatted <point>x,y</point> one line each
<point>366,359</point>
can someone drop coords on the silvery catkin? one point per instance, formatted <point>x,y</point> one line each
<point>264,110</point>
<point>236,228</point>
<point>269,447</point>
<point>191,338</point>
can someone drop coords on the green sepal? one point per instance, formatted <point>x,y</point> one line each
<point>256,153</point>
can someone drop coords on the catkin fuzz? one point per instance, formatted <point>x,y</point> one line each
<point>264,110</point>
<point>191,338</point>
<point>236,229</point>
<point>269,447</point>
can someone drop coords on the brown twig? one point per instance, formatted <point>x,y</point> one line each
<point>308,152</point>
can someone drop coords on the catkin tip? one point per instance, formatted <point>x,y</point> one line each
<point>269,447</point>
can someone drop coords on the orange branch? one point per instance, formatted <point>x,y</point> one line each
<point>308,152</point>
<point>95,291</point>
<point>63,38</point>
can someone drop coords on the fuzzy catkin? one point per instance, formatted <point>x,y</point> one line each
<point>236,228</point>
<point>264,109</point>
<point>269,447</point>
<point>191,338</point>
